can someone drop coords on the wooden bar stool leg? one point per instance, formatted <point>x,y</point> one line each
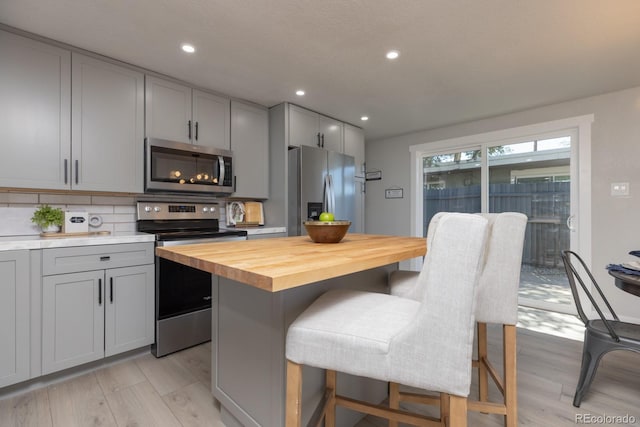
<point>483,381</point>
<point>330,414</point>
<point>394,400</point>
<point>457,411</point>
<point>293,406</point>
<point>510,376</point>
<point>445,408</point>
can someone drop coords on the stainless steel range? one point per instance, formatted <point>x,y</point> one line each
<point>183,294</point>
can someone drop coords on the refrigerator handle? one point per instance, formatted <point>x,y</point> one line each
<point>325,194</point>
<point>332,198</point>
<point>329,201</point>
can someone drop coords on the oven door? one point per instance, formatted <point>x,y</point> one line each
<point>187,168</point>
<point>183,301</point>
<point>182,289</point>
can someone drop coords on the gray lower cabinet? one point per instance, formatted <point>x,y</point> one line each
<point>250,146</point>
<point>108,127</point>
<point>88,315</point>
<point>248,363</point>
<point>14,317</point>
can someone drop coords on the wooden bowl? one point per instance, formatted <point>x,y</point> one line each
<point>327,231</point>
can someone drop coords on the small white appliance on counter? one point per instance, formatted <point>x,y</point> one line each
<point>75,222</point>
<point>244,214</point>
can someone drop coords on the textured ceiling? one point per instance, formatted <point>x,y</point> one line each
<point>460,59</point>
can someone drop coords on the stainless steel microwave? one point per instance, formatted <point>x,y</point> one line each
<point>176,167</point>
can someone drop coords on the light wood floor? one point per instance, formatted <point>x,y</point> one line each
<point>174,390</point>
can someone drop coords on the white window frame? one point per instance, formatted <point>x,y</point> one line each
<point>580,126</point>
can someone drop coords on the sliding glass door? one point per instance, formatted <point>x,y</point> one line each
<point>532,175</point>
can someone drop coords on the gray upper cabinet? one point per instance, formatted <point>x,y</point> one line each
<point>250,146</point>
<point>35,108</point>
<point>180,113</point>
<point>168,110</point>
<point>102,151</point>
<point>108,123</point>
<point>307,127</point>
<point>303,127</point>
<point>211,125</point>
<point>330,133</point>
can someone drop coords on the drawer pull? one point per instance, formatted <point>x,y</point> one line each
<point>105,258</point>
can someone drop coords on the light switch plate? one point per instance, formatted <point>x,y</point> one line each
<point>393,193</point>
<point>619,188</point>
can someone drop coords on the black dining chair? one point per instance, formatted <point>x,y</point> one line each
<point>601,335</point>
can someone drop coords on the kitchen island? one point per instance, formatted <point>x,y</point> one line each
<point>259,288</point>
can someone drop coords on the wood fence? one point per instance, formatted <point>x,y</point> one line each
<point>545,204</point>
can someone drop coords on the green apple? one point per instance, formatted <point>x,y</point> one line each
<point>326,216</point>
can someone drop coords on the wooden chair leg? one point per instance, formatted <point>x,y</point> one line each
<point>330,414</point>
<point>457,411</point>
<point>510,376</point>
<point>483,382</point>
<point>394,400</point>
<point>293,404</point>
<point>445,407</point>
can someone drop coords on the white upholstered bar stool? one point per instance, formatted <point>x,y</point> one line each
<point>497,303</point>
<point>425,343</point>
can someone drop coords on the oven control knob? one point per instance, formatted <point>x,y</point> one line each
<point>147,208</point>
<point>212,209</point>
<point>205,209</point>
<point>156,209</point>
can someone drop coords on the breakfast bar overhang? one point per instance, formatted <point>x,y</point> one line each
<point>258,288</point>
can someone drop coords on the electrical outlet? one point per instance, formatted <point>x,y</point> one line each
<point>619,189</point>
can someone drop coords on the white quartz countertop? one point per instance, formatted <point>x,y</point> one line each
<point>9,243</point>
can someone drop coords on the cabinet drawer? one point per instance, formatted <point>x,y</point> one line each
<point>86,258</point>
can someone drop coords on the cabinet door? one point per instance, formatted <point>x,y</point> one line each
<point>250,146</point>
<point>72,319</point>
<point>303,127</point>
<point>107,134</point>
<point>168,110</point>
<point>330,133</point>
<point>210,120</point>
<point>35,106</point>
<point>129,308</point>
<point>14,317</point>
<point>354,146</point>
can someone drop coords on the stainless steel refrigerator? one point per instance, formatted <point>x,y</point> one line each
<point>319,180</point>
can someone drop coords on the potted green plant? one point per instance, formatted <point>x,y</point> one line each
<point>49,219</point>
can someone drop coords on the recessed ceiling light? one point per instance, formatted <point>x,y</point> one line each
<point>364,118</point>
<point>393,54</point>
<point>300,92</point>
<point>188,48</point>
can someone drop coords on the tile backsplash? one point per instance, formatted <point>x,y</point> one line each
<point>118,213</point>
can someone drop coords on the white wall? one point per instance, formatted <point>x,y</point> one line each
<point>615,154</point>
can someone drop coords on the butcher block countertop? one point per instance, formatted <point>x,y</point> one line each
<point>287,262</point>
